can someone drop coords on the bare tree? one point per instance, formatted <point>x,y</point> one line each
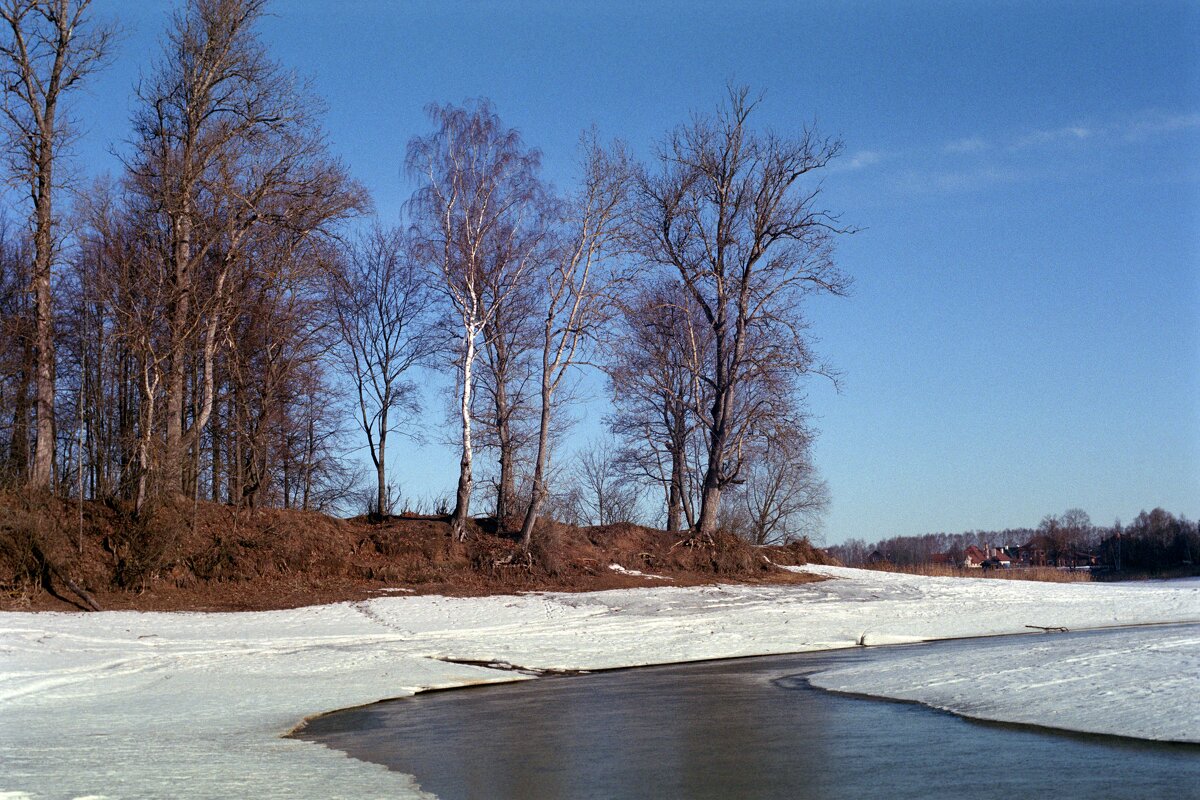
<point>652,369</point>
<point>784,496</point>
<point>724,211</point>
<point>579,282</point>
<point>479,194</point>
<point>127,273</point>
<point>109,269</point>
<point>605,495</point>
<point>275,342</point>
<point>49,47</point>
<point>1081,531</point>
<point>314,475</point>
<point>1064,536</point>
<point>382,302</point>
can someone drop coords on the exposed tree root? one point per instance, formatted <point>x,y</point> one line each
<point>49,568</point>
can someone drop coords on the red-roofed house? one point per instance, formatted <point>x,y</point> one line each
<point>973,558</point>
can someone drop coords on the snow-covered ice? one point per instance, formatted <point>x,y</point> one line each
<point>134,705</point>
<point>1140,682</point>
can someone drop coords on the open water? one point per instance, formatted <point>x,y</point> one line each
<point>747,728</point>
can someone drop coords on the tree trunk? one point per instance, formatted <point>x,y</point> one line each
<point>689,510</point>
<point>180,311</point>
<point>286,468</point>
<point>710,505</point>
<point>217,442</point>
<point>43,459</point>
<point>237,477</point>
<point>675,493</point>
<point>143,450</point>
<point>506,490</point>
<point>462,499</point>
<point>127,425</point>
<point>539,469</point>
<point>382,506</point>
<point>710,494</point>
<point>310,453</point>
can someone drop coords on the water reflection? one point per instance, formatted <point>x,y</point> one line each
<point>741,729</point>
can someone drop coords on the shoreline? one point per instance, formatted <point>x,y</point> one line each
<point>527,674</point>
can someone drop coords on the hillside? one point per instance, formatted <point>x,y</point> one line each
<point>55,554</point>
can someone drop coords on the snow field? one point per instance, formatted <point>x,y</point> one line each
<point>147,705</point>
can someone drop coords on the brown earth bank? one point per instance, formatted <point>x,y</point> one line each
<point>60,555</point>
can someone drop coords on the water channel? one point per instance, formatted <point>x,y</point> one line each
<point>747,728</point>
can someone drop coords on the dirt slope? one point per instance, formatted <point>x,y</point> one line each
<point>55,555</point>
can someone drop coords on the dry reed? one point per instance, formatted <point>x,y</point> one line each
<point>1047,574</point>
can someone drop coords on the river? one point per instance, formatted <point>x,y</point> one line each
<point>747,728</point>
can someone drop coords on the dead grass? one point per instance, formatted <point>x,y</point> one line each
<point>215,557</point>
<point>1045,574</point>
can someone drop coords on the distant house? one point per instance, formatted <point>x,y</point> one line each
<point>1035,552</point>
<point>999,559</point>
<point>973,558</point>
<point>876,557</point>
<point>1078,559</point>
<point>1041,551</point>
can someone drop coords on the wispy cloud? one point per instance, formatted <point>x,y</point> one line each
<point>1142,126</point>
<point>858,160</point>
<point>1070,133</point>
<point>991,159</point>
<point>1149,124</point>
<point>972,144</point>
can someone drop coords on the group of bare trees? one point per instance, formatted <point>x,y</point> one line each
<point>724,211</point>
<point>219,324</point>
<point>188,346</point>
<point>685,278</point>
<point>48,49</point>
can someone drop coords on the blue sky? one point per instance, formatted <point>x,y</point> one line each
<point>1024,332</point>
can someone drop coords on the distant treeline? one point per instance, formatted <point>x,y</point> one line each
<point>1154,541</point>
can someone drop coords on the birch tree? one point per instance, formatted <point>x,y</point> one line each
<point>505,394</point>
<point>47,49</point>
<point>725,210</point>
<point>479,193</point>
<point>577,298</point>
